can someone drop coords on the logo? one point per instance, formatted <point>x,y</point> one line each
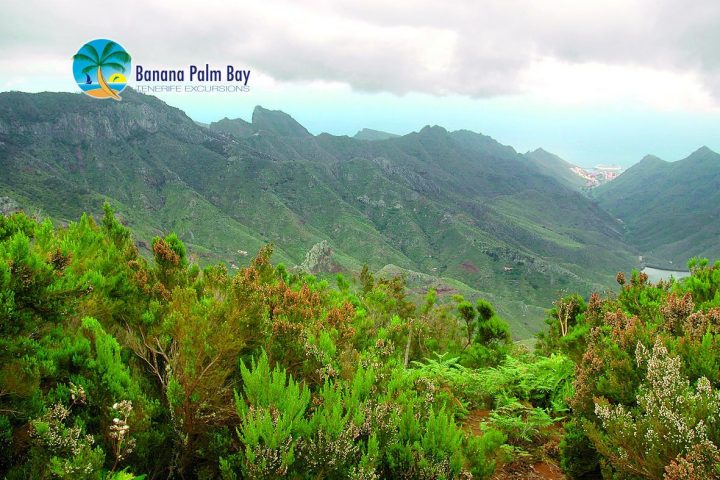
<point>99,68</point>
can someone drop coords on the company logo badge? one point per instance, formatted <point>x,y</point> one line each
<point>99,68</point>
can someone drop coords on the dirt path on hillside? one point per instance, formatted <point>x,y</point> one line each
<point>538,471</point>
<point>521,468</point>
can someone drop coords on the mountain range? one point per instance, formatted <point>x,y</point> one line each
<point>456,211</point>
<point>670,209</point>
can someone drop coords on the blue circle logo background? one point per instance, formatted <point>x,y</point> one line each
<point>99,68</point>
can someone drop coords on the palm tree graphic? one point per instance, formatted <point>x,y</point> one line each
<point>110,57</point>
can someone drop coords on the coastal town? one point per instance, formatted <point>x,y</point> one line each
<point>597,175</point>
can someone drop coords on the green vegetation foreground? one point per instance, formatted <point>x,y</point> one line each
<point>113,366</point>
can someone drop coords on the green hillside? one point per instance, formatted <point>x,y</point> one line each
<point>455,205</point>
<point>556,166</point>
<point>669,208</point>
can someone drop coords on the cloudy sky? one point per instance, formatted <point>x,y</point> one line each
<point>593,81</point>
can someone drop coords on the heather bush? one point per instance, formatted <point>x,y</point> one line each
<point>64,450</point>
<point>115,361</point>
<point>366,428</point>
<point>671,419</point>
<point>645,402</point>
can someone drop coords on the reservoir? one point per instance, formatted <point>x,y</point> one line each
<point>657,274</point>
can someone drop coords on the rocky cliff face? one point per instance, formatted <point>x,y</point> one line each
<point>8,206</point>
<point>75,119</point>
<point>319,259</point>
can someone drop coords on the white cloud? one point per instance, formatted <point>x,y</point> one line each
<point>578,84</point>
<point>660,52</point>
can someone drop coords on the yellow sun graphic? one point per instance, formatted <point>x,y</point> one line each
<point>117,78</point>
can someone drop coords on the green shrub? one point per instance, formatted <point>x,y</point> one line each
<point>671,418</point>
<point>63,450</point>
<point>272,421</point>
<point>644,390</point>
<point>578,457</point>
<point>6,443</point>
<point>522,425</point>
<point>115,364</point>
<point>481,452</point>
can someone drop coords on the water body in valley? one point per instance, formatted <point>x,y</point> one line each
<point>657,274</point>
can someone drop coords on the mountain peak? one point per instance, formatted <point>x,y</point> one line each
<point>701,159</point>
<point>235,126</point>
<point>433,131</point>
<point>540,151</point>
<point>433,128</point>
<point>650,159</point>
<point>278,123</point>
<point>558,168</point>
<point>372,134</point>
<point>544,155</point>
<point>703,151</point>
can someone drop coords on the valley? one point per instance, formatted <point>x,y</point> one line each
<point>454,210</point>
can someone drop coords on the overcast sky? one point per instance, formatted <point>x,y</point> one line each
<point>593,81</point>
